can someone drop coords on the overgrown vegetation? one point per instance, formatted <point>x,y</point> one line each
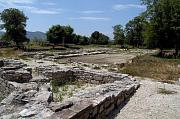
<point>64,90</point>
<point>153,67</point>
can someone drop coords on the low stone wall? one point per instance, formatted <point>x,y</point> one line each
<point>97,108</point>
<point>92,77</point>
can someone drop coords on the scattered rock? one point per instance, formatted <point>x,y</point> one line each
<point>37,111</point>
<point>8,100</point>
<point>25,86</point>
<point>43,96</point>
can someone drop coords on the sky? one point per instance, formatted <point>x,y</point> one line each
<point>85,16</point>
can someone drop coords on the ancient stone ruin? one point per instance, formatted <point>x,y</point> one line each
<point>30,92</point>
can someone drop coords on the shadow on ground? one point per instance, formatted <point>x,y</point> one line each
<point>116,111</point>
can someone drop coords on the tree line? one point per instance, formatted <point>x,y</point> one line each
<point>58,34</point>
<point>157,27</point>
<point>14,22</point>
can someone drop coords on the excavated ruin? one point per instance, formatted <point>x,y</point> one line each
<point>82,94</point>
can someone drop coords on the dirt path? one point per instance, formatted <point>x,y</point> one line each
<point>148,103</point>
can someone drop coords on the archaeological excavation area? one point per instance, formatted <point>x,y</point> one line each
<point>75,84</point>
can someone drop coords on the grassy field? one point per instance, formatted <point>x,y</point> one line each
<point>166,70</point>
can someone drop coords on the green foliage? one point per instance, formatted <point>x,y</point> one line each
<point>84,40</point>
<point>55,34</point>
<point>134,31</point>
<point>99,38</point>
<point>14,23</point>
<point>58,34</point>
<point>119,37</point>
<point>164,22</point>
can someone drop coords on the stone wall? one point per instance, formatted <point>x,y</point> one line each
<point>92,77</point>
<point>97,102</point>
<point>98,108</point>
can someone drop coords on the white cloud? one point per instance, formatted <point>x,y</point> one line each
<point>40,11</point>
<point>21,1</point>
<point>119,7</point>
<point>24,5</point>
<point>92,12</point>
<point>92,18</point>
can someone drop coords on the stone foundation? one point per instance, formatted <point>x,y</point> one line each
<point>98,107</point>
<point>34,99</point>
<point>92,77</point>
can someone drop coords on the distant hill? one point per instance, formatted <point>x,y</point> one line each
<point>32,35</point>
<point>37,34</point>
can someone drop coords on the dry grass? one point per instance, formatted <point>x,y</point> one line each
<point>9,53</point>
<point>12,53</point>
<point>165,91</point>
<point>165,70</point>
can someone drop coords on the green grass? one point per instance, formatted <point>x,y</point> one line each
<point>161,69</point>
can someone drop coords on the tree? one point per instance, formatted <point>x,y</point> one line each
<point>95,37</point>
<point>84,40</point>
<point>134,31</point>
<point>55,35</point>
<point>68,34</point>
<point>14,23</point>
<point>76,38</point>
<point>119,37</point>
<point>164,20</point>
<point>99,38</point>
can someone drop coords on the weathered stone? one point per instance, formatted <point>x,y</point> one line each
<point>64,114</point>
<point>94,101</point>
<point>56,107</point>
<point>45,87</point>
<point>40,79</point>
<point>43,96</point>
<point>81,108</point>
<point>19,97</point>
<point>16,76</point>
<point>10,116</point>
<point>25,86</point>
<point>11,67</point>
<point>37,111</point>
<point>109,109</point>
<point>29,69</point>
<point>8,100</point>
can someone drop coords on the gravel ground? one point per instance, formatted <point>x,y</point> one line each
<point>148,103</point>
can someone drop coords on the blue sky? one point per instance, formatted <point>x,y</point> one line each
<point>85,16</point>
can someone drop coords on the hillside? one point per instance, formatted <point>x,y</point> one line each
<point>32,35</point>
